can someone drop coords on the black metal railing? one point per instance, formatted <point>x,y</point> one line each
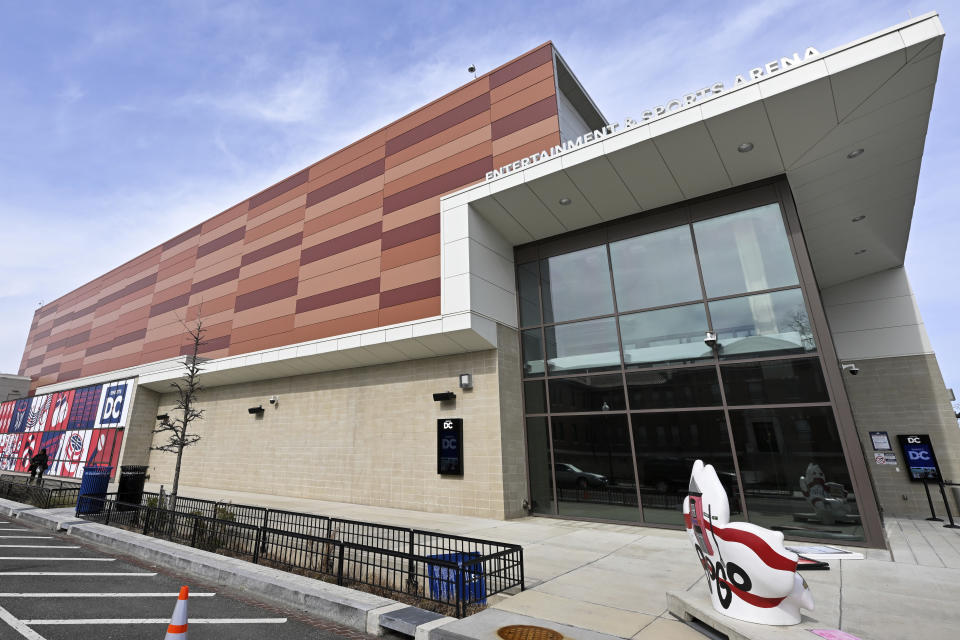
<point>454,573</point>
<point>47,495</point>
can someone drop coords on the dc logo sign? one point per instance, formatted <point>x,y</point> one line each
<point>913,440</point>
<point>919,455</point>
<point>113,405</point>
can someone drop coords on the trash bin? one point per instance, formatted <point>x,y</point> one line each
<point>96,479</point>
<point>443,579</point>
<point>130,487</point>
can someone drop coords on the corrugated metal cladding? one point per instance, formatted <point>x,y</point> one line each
<point>349,243</point>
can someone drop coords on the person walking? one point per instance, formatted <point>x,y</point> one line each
<point>38,464</point>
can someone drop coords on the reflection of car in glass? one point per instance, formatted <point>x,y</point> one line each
<point>671,476</point>
<point>569,476</point>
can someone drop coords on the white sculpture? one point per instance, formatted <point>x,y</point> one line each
<point>751,575</point>
<point>828,499</point>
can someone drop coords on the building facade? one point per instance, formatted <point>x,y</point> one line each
<point>699,281</point>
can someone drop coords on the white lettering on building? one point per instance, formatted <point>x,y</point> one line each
<point>671,106</point>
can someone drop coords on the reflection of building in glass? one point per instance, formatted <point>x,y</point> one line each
<point>646,296</point>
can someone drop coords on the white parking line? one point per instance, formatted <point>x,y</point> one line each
<point>156,621</point>
<point>73,573</point>
<point>193,594</point>
<point>38,546</point>
<point>58,559</point>
<point>19,626</point>
<point>25,537</point>
<point>21,529</point>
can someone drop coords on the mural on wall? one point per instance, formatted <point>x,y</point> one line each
<point>76,428</point>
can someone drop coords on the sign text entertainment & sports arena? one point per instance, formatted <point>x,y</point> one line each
<point>464,313</point>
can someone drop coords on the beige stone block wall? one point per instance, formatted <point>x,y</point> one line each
<point>512,434</point>
<point>139,435</point>
<point>364,435</point>
<point>905,395</point>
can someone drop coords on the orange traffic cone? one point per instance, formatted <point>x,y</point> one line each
<point>177,629</point>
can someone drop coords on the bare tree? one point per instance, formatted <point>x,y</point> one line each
<point>188,387</point>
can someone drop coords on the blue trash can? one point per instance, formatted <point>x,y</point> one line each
<point>443,580</point>
<point>94,484</point>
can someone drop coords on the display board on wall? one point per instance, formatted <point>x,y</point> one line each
<point>919,456</point>
<point>77,427</point>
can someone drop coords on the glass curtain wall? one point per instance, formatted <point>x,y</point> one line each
<point>622,393</point>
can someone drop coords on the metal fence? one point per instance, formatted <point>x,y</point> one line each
<point>417,566</point>
<point>52,493</point>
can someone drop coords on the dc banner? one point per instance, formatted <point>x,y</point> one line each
<point>39,409</point>
<point>83,413</point>
<point>21,411</point>
<point>113,404</point>
<point>73,448</point>
<point>6,411</point>
<point>59,411</point>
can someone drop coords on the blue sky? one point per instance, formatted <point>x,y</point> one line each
<point>125,123</point>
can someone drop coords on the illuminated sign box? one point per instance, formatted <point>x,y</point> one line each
<point>919,456</point>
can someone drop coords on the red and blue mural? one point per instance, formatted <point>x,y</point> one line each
<point>76,428</point>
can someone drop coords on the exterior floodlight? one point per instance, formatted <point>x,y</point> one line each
<point>444,396</point>
<point>163,417</point>
<point>258,410</point>
<point>466,381</point>
<point>710,339</point>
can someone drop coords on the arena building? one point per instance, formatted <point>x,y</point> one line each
<point>504,303</point>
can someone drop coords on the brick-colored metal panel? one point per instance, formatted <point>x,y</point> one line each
<point>350,243</point>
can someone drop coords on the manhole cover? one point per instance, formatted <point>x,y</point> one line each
<point>528,632</point>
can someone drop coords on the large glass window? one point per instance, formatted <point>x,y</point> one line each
<point>594,467</point>
<point>673,388</point>
<point>586,393</point>
<point>621,399</point>
<point>746,251</point>
<point>665,336</point>
<point>794,475</point>
<point>528,294</point>
<point>655,270</point>
<point>774,382</point>
<point>576,285</point>
<point>667,445</point>
<point>538,461</point>
<point>762,325</point>
<point>583,347</point>
<point>532,352</point>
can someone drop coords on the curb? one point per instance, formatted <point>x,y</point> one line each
<point>356,609</point>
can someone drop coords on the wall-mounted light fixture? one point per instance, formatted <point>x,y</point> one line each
<point>444,396</point>
<point>466,381</point>
<point>710,339</point>
<point>258,410</point>
<point>163,417</point>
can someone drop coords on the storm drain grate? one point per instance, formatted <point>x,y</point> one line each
<point>528,632</point>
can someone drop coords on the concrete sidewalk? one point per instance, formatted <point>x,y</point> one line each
<point>612,579</point>
<point>595,581</point>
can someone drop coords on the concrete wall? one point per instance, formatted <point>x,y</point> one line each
<point>13,387</point>
<point>512,438</point>
<point>876,324</point>
<point>875,317</point>
<point>365,435</point>
<point>139,436</point>
<point>898,395</point>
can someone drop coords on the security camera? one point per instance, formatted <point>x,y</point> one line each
<point>710,339</point>
<point>851,369</point>
<point>273,399</point>
<point>472,69</point>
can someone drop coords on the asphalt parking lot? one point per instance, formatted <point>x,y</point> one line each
<point>51,588</point>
